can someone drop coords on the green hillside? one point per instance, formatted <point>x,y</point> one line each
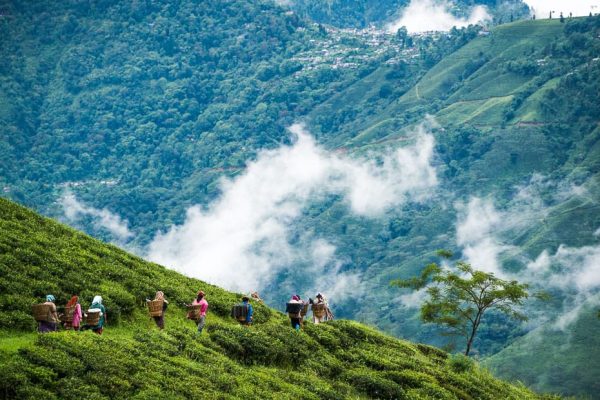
<point>340,359</point>
<point>570,367</point>
<point>503,118</point>
<point>517,101</point>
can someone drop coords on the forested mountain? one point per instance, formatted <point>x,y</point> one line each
<point>132,360</point>
<point>144,106</point>
<point>139,109</point>
<point>362,13</point>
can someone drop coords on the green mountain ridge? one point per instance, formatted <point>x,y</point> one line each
<point>497,101</point>
<point>132,360</point>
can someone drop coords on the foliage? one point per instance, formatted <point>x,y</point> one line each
<point>269,360</point>
<point>528,360</point>
<point>460,363</point>
<point>459,297</point>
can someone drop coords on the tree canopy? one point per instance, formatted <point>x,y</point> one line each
<point>459,297</point>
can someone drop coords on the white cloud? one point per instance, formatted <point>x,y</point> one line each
<point>435,15</point>
<point>542,8</point>
<point>476,232</point>
<point>575,268</point>
<point>413,299</point>
<point>485,234</point>
<point>241,240</point>
<point>102,218</point>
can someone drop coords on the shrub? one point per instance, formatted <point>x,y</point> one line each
<point>460,363</point>
<point>432,352</point>
<point>373,384</point>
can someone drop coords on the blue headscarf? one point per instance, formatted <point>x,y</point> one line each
<point>50,298</point>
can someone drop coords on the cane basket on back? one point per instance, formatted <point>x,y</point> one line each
<point>318,310</point>
<point>68,315</point>
<point>155,307</point>
<point>92,317</point>
<point>40,312</point>
<point>304,310</point>
<point>193,312</point>
<point>294,310</point>
<point>240,312</point>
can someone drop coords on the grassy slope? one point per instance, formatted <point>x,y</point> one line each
<point>574,349</point>
<point>342,359</point>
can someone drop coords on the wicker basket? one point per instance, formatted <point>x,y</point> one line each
<point>319,310</point>
<point>240,312</point>
<point>92,318</point>
<point>155,307</point>
<point>295,310</point>
<point>193,312</point>
<point>68,315</point>
<point>40,312</point>
<point>304,310</point>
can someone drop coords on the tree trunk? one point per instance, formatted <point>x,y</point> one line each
<point>473,332</point>
<point>469,343</point>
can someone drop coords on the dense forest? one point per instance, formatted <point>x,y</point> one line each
<point>362,13</point>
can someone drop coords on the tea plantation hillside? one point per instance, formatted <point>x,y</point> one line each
<point>132,360</point>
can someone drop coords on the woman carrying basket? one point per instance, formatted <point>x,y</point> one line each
<point>160,319</point>
<point>73,313</point>
<point>320,309</point>
<point>49,325</point>
<point>294,310</point>
<point>201,301</point>
<point>96,307</point>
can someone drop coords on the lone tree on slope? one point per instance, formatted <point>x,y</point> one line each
<point>459,298</point>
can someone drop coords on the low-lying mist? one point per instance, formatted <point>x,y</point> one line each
<point>241,241</point>
<point>435,15</point>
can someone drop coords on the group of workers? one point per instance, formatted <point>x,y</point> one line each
<point>75,316</point>
<point>243,312</point>
<point>297,308</point>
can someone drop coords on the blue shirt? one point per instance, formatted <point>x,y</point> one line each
<point>250,311</point>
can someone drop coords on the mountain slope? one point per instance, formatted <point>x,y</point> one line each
<point>571,367</point>
<point>340,359</point>
<point>515,104</point>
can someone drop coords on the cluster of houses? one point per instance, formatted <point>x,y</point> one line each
<point>350,48</point>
